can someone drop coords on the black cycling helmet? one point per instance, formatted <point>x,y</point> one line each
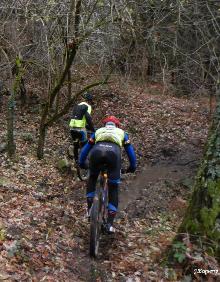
<point>87,96</point>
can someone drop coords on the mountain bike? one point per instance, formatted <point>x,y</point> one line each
<point>82,173</point>
<point>99,213</point>
<point>73,153</point>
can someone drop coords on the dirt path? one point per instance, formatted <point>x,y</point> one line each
<point>147,180</point>
<point>149,199</point>
<point>178,169</point>
<point>43,229</point>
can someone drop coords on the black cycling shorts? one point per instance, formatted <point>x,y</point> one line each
<point>106,155</point>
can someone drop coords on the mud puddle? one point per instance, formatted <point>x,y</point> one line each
<point>157,184</point>
<point>149,176</point>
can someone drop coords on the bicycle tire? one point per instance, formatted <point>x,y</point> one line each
<point>95,224</point>
<point>82,174</point>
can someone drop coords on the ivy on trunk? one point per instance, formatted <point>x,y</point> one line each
<point>203,214</point>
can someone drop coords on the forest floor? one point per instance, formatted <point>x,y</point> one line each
<point>43,228</point>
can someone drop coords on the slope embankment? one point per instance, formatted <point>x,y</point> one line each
<point>43,231</point>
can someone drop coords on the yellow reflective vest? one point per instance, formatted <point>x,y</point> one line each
<point>110,134</point>
<point>80,123</point>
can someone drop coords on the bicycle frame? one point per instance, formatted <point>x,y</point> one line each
<point>77,146</point>
<point>104,186</point>
<point>99,212</point>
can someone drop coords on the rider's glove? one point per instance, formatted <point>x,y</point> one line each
<point>130,169</point>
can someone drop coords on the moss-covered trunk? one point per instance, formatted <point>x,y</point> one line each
<point>203,214</point>
<point>23,92</point>
<point>53,93</point>
<point>11,147</point>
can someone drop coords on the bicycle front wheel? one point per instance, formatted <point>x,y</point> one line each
<point>95,225</point>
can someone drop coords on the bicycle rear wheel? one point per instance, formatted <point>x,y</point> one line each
<point>83,173</point>
<point>95,224</point>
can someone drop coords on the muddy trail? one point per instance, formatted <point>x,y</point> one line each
<point>178,169</point>
<point>44,234</point>
<point>150,204</point>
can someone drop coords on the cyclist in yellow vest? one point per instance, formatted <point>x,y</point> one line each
<point>105,145</point>
<point>81,121</point>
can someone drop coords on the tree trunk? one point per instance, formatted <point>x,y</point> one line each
<point>69,85</point>
<point>23,93</point>
<point>203,214</point>
<point>55,90</point>
<point>1,95</point>
<point>41,141</point>
<point>11,147</point>
<point>57,103</point>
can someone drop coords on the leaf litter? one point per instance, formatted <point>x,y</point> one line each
<point>44,232</point>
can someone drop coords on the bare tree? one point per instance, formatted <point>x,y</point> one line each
<point>78,37</point>
<point>11,108</point>
<point>49,36</point>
